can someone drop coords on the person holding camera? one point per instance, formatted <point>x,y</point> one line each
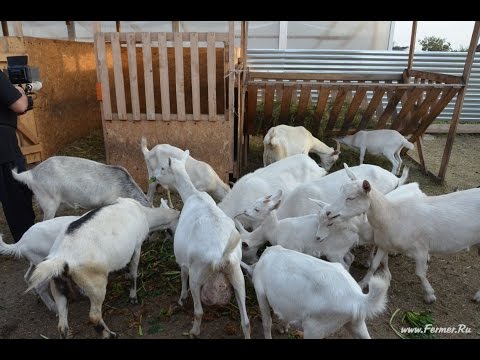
<point>16,198</point>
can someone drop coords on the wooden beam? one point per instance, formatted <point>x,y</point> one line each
<point>118,78</point>
<point>449,79</point>
<point>304,76</point>
<point>211,76</point>
<point>194,65</point>
<point>5,28</point>
<point>118,26</point>
<point>459,103</point>
<point>71,30</point>
<point>103,76</point>
<point>412,45</point>
<point>179,76</point>
<point>420,154</point>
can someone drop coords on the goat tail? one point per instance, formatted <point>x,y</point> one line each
<point>404,177</point>
<point>408,144</point>
<point>143,146</point>
<point>24,177</point>
<point>9,249</point>
<point>232,244</point>
<point>47,270</point>
<point>377,295</point>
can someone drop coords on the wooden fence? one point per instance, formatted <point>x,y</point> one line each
<point>170,83</point>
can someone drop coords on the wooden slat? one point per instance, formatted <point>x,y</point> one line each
<point>211,75</point>
<point>268,107</point>
<point>418,143</point>
<point>18,28</point>
<point>320,109</point>
<point>352,110</point>
<point>118,26</point>
<point>27,132</point>
<point>411,99</point>
<point>164,81</point>
<point>304,76</point>
<point>118,76</point>
<point>30,149</point>
<point>367,115</point>
<point>231,70</point>
<point>337,106</point>
<point>173,117</point>
<point>179,78</point>
<point>286,102</point>
<point>303,103</point>
<point>422,110</point>
<point>449,79</point>
<point>132,72</point>
<point>103,73</point>
<point>202,36</point>
<point>434,112</point>
<point>251,108</point>
<point>195,74</point>
<point>148,75</point>
<point>389,110</point>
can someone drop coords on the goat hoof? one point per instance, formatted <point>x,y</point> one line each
<point>430,299</point>
<point>113,335</point>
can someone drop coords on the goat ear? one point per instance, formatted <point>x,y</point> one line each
<point>163,204</point>
<point>278,194</point>
<point>277,205</point>
<point>319,202</point>
<point>186,154</point>
<point>240,227</point>
<point>366,186</point>
<point>349,172</point>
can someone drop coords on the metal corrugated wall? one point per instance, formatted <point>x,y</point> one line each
<point>375,62</point>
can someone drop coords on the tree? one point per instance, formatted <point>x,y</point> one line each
<point>435,43</point>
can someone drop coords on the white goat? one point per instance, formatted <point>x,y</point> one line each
<point>380,142</point>
<point>282,141</point>
<point>203,177</point>
<point>322,296</point>
<point>77,182</point>
<point>101,241</point>
<point>296,202</point>
<point>415,226</point>
<point>299,234</point>
<point>206,242</point>
<point>34,246</point>
<point>284,174</point>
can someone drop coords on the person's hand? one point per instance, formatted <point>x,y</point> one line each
<point>20,89</point>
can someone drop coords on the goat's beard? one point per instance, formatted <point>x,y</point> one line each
<point>217,290</point>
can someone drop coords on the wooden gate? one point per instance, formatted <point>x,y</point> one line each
<point>27,134</point>
<point>175,88</point>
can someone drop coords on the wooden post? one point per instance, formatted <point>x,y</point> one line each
<point>244,43</point>
<point>18,28</point>
<point>412,45</point>
<point>97,27</point>
<point>459,102</point>
<point>117,26</point>
<point>175,26</point>
<point>5,28</point>
<point>71,30</point>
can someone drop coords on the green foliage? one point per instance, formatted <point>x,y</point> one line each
<point>435,43</point>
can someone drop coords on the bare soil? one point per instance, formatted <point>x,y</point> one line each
<point>454,278</point>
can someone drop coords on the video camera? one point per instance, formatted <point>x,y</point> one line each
<point>19,73</point>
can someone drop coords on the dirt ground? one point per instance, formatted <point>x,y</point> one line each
<point>454,278</point>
